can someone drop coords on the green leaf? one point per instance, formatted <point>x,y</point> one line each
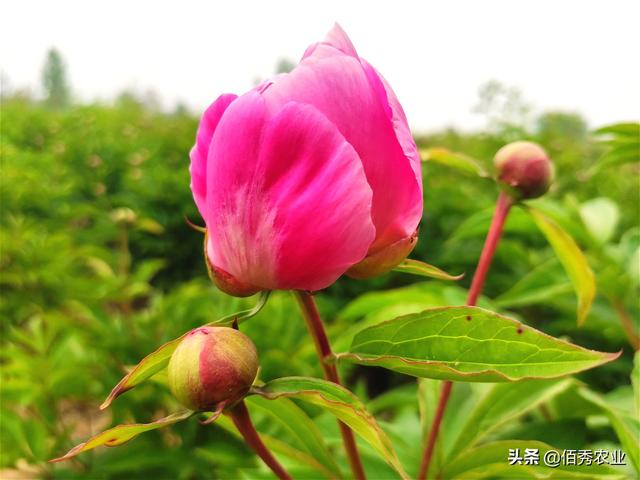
<point>279,447</point>
<point>468,344</point>
<point>159,359</point>
<point>149,366</point>
<point>123,433</point>
<point>416,267</point>
<point>572,259</point>
<point>244,314</point>
<point>477,225</point>
<point>458,161</point>
<point>629,129</point>
<point>491,461</point>
<point>544,283</point>
<point>626,425</point>
<point>300,426</point>
<point>504,403</point>
<point>338,401</point>
<point>600,216</point>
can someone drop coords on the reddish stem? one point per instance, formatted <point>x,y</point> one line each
<point>316,329</point>
<point>242,420</point>
<point>503,205</point>
<point>627,324</point>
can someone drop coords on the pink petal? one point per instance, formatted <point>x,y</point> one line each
<point>288,201</point>
<point>400,125</point>
<point>198,154</point>
<point>339,42</point>
<point>339,87</point>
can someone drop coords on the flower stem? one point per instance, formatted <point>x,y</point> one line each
<point>242,421</point>
<point>503,206</point>
<point>323,348</point>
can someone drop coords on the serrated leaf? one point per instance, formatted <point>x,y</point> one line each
<point>300,426</point>
<point>572,259</point>
<point>416,267</point>
<point>468,344</point>
<point>159,359</point>
<point>459,161</point>
<point>123,433</point>
<point>627,426</point>
<point>504,403</point>
<point>340,402</point>
<point>491,461</point>
<point>600,216</point>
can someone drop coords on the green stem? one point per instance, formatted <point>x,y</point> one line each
<point>503,206</point>
<point>323,348</point>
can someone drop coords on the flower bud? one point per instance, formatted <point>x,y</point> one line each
<point>524,169</point>
<point>305,175</point>
<point>212,365</point>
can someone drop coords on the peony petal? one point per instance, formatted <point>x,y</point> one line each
<point>288,201</point>
<point>198,154</point>
<point>400,125</point>
<point>338,39</point>
<point>338,86</point>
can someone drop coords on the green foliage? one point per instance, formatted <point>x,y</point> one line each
<point>341,403</point>
<point>573,261</point>
<point>468,344</point>
<point>99,269</point>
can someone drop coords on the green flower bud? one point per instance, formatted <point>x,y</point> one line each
<point>212,365</point>
<point>524,169</point>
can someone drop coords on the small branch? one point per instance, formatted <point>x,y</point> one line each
<point>503,206</point>
<point>627,324</point>
<point>323,348</point>
<point>241,419</point>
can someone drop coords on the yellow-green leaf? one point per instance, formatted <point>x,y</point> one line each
<point>416,267</point>
<point>159,359</point>
<point>459,161</point>
<point>572,259</point>
<point>340,402</point>
<point>123,433</point>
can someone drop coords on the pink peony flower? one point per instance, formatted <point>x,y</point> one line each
<point>309,175</point>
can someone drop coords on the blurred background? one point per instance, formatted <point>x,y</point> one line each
<point>100,103</point>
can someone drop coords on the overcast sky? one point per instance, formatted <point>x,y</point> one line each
<point>563,54</point>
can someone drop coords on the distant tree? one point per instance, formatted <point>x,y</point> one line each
<point>285,65</point>
<point>54,80</point>
<point>504,108</point>
<point>552,126</point>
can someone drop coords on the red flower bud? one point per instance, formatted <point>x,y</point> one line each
<point>524,169</point>
<point>212,365</point>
